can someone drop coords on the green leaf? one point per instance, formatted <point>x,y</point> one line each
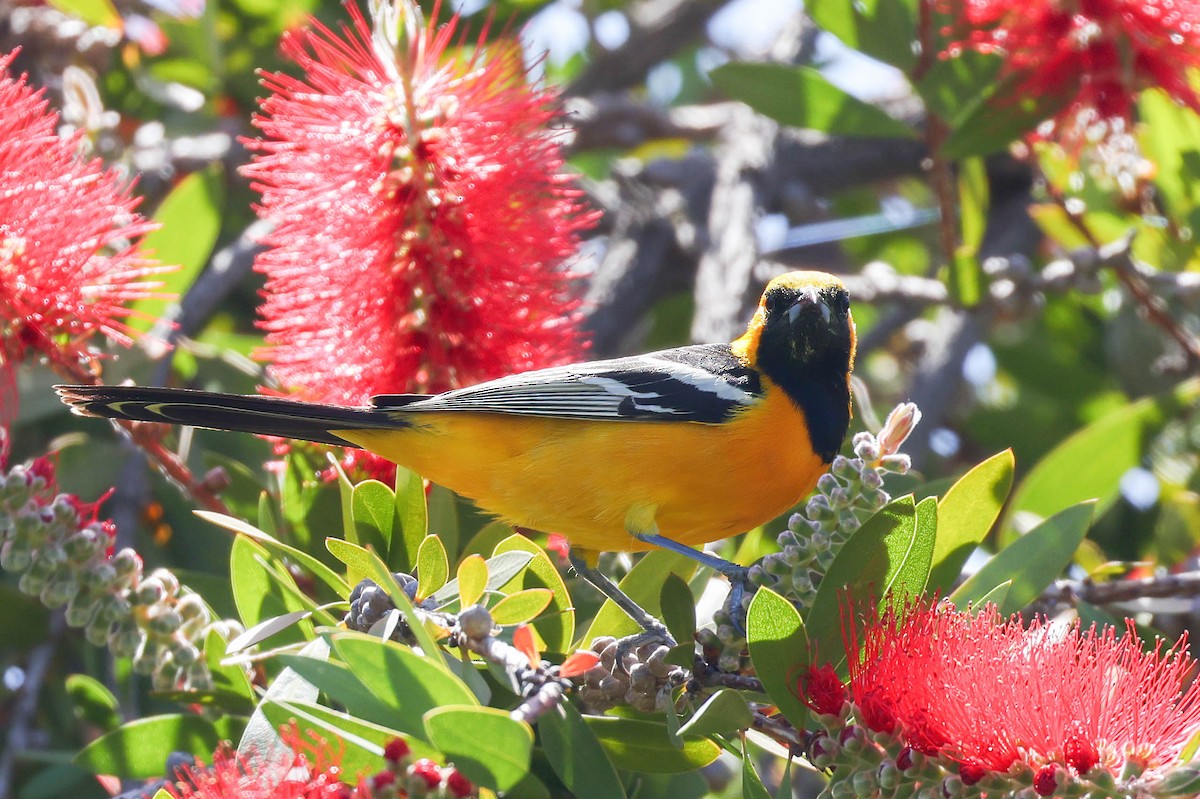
<point>358,564</point>
<point>883,29</point>
<point>678,608</point>
<point>803,98</point>
<point>472,580</point>
<point>865,568</point>
<point>723,713</point>
<point>190,219</point>
<point>1170,137</point>
<point>779,650</point>
<point>336,681</point>
<point>258,592</point>
<point>954,88</point>
<point>318,569</point>
<point>231,678</point>
<point>501,570</point>
<point>414,684</point>
<point>1090,463</point>
<point>487,745</point>
<point>576,756</point>
<point>1032,562</point>
<point>414,520</point>
<point>375,518</point>
<point>965,515</point>
<point>996,596</point>
<point>92,702</point>
<point>443,516</point>
<point>994,124</point>
<point>638,745</point>
<point>752,784</point>
<point>522,606</point>
<point>432,567</point>
<point>557,626</point>
<point>643,584</point>
<point>140,748</point>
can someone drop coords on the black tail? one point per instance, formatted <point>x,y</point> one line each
<point>269,416</point>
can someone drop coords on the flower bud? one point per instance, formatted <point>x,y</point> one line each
<point>476,622</point>
<point>899,424</point>
<point>827,483</point>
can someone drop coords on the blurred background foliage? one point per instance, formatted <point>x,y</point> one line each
<point>1020,334</point>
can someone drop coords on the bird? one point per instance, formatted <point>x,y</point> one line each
<point>674,448</point>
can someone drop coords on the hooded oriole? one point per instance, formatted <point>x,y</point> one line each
<point>695,443</point>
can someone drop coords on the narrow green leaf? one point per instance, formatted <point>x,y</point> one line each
<point>522,606</point>
<point>472,580</point>
<point>358,565</point>
<point>723,713</point>
<point>230,678</point>
<point>862,570</point>
<point>1090,463</point>
<point>965,515</point>
<point>140,748</point>
<point>557,625</point>
<point>318,569</point>
<point>486,744</point>
<point>1169,139</point>
<point>92,702</point>
<point>639,745</point>
<point>678,608</point>
<point>911,575</point>
<point>432,567</point>
<point>190,219</point>
<point>346,493</point>
<point>576,756</point>
<point>804,98</point>
<point>643,584</point>
<point>973,194</point>
<point>414,684</point>
<point>779,650</point>
<point>995,123</point>
<point>1032,562</point>
<point>264,630</point>
<point>414,520</point>
<point>375,519</point>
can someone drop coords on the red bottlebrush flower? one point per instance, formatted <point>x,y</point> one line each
<point>312,773</point>
<point>421,214</point>
<point>68,267</point>
<point>822,691</point>
<point>1089,57</point>
<point>989,692</point>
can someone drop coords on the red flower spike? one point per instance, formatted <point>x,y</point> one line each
<point>579,663</point>
<point>422,215</point>
<point>67,268</point>
<point>1089,58</point>
<point>232,776</point>
<point>1037,695</point>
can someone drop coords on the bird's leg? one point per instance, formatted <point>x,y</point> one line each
<point>739,581</point>
<point>653,630</point>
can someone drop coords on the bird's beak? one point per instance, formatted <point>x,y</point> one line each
<point>809,301</point>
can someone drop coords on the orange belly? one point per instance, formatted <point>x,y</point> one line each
<point>593,482</point>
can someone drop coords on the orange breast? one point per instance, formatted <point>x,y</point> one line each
<point>594,481</point>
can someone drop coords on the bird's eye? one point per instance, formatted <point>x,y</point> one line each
<point>841,302</point>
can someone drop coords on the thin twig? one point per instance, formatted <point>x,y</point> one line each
<point>1159,586</point>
